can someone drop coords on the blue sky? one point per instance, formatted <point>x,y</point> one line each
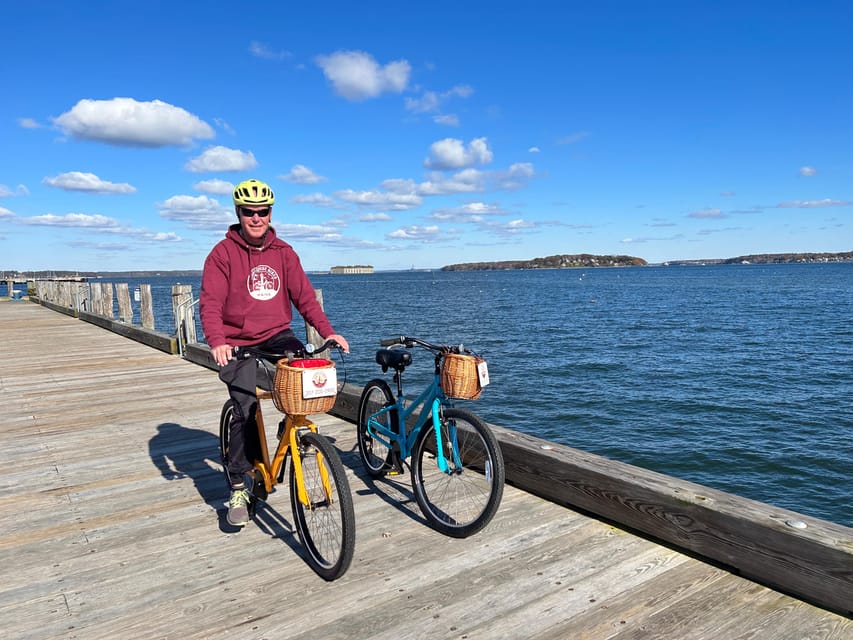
<point>424,134</point>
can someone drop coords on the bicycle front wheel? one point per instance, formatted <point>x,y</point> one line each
<point>461,500</point>
<point>376,456</point>
<point>326,525</point>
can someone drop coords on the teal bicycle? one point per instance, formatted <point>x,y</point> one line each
<point>457,469</point>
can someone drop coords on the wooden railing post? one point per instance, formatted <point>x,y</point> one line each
<point>182,310</point>
<point>146,306</point>
<point>311,334</point>
<point>125,311</point>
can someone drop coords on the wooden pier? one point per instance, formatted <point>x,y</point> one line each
<point>112,526</point>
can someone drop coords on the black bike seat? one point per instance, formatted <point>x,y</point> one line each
<point>397,359</point>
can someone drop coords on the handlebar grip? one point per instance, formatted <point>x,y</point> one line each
<point>389,342</point>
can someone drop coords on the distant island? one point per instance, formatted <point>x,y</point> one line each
<point>771,258</point>
<point>586,260</point>
<point>563,261</point>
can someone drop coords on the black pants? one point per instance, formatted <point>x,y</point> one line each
<point>242,377</point>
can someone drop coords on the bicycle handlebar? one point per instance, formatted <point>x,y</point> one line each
<point>409,342</point>
<point>242,353</point>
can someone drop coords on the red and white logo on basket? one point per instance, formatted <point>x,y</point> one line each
<point>319,379</point>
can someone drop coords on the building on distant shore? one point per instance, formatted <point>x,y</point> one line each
<point>356,268</point>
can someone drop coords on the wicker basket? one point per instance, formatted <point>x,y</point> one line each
<point>459,378</point>
<point>313,377</point>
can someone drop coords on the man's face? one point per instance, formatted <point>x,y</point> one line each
<point>254,220</point>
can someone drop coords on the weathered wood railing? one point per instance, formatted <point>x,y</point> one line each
<point>96,302</point>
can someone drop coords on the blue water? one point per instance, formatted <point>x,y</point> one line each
<point>736,377</point>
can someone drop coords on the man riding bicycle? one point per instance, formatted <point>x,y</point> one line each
<point>248,284</point>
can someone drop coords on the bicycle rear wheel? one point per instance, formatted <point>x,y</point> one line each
<point>225,435</point>
<point>461,501</point>
<point>326,525</point>
<point>377,457</point>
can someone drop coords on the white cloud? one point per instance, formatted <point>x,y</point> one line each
<point>261,50</point>
<point>72,220</point>
<point>197,212</point>
<point>429,101</point>
<point>216,187</point>
<point>706,214</point>
<point>807,171</point>
<point>814,204</point>
<point>127,122</point>
<point>355,75</point>
<point>387,201</point>
<point>466,181</point>
<point>20,190</point>
<point>451,153</point>
<point>574,138</point>
<point>222,159</point>
<point>533,150</point>
<point>88,182</point>
<point>5,213</point>
<point>471,212</point>
<point>375,217</point>
<point>415,232</point>
<point>300,174</point>
<point>450,120</point>
<point>28,123</point>
<point>317,199</point>
<point>515,177</point>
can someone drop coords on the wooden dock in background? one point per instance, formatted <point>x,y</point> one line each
<point>112,526</point>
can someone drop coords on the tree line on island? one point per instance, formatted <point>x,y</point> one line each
<point>586,260</point>
<point>562,261</point>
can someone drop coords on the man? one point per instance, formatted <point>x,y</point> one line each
<point>248,284</point>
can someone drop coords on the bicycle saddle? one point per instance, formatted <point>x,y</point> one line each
<point>397,359</point>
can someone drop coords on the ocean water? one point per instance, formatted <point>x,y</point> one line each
<point>735,377</point>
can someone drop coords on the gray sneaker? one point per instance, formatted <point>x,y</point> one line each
<point>238,508</point>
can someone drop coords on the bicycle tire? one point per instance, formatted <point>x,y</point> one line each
<point>327,528</point>
<point>225,436</point>
<point>462,501</point>
<point>378,459</point>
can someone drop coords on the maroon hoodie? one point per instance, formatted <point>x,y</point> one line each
<point>246,291</point>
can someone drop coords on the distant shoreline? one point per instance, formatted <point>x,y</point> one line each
<point>563,261</point>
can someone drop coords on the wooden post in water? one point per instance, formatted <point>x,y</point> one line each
<point>96,298</point>
<point>311,334</point>
<point>182,310</point>
<point>125,311</point>
<point>146,306</point>
<point>107,302</point>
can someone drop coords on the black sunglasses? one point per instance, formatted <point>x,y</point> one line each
<point>248,213</point>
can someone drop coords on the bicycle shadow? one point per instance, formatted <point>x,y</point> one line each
<point>180,452</point>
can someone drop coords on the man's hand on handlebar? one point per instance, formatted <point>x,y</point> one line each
<point>221,354</point>
<point>342,342</point>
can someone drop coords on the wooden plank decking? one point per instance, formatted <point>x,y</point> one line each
<point>111,526</point>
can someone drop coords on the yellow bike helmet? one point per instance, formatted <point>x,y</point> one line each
<point>253,192</point>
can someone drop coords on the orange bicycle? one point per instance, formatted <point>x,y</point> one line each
<point>319,491</point>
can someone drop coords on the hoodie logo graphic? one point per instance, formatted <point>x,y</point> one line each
<point>263,283</point>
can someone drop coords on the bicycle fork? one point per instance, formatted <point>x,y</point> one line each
<point>440,458</point>
<point>297,426</point>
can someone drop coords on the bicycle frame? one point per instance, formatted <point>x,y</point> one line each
<point>271,471</point>
<point>433,397</point>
